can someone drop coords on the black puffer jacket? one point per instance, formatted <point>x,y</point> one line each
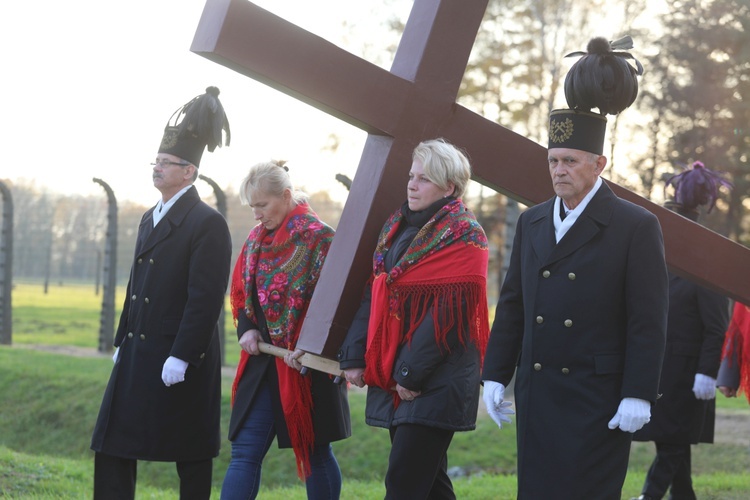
<point>448,379</point>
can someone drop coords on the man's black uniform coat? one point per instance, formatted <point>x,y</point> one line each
<point>698,318</point>
<point>585,321</point>
<point>175,293</point>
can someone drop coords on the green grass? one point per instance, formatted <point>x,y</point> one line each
<point>49,402</point>
<point>69,315</point>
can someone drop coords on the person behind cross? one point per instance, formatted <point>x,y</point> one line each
<point>163,399</point>
<point>581,317</point>
<point>698,317</point>
<point>734,372</point>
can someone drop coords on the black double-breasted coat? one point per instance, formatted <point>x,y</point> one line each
<point>582,322</point>
<point>176,290</point>
<point>698,318</point>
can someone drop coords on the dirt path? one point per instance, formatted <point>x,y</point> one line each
<point>732,426</point>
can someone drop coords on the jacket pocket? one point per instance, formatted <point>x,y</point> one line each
<point>605,364</point>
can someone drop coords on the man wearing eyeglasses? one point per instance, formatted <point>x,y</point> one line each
<point>163,399</point>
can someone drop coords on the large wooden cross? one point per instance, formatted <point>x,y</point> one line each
<point>414,101</point>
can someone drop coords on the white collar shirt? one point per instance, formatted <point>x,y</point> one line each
<point>161,208</point>
<point>562,225</point>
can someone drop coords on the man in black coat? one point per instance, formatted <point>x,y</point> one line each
<point>581,318</point>
<point>697,320</point>
<point>163,399</point>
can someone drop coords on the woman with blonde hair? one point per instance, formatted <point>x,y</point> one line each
<point>418,338</point>
<point>272,285</point>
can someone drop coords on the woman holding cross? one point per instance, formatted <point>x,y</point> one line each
<point>272,285</point>
<point>418,338</point>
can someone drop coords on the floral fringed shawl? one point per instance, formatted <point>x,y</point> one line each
<point>282,268</point>
<point>443,270</point>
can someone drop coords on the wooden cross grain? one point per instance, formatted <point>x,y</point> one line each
<point>414,101</point>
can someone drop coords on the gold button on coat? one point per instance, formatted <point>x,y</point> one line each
<point>565,371</point>
<point>568,323</point>
<point>203,355</point>
<point>143,337</point>
<point>130,335</point>
<point>140,260</point>
<point>150,261</point>
<point>539,320</point>
<point>571,276</point>
<point>546,274</point>
<point>133,297</point>
<point>145,300</point>
<point>537,366</point>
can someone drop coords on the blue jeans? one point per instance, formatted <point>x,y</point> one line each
<point>242,480</point>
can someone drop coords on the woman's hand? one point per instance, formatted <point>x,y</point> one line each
<point>292,359</point>
<point>728,391</point>
<point>406,394</point>
<point>355,376</point>
<point>249,342</point>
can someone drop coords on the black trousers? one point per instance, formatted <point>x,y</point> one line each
<point>114,478</point>
<point>671,467</point>
<point>418,464</point>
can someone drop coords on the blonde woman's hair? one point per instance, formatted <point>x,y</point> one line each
<point>271,177</point>
<point>443,164</point>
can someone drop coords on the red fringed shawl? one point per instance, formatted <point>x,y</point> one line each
<point>444,267</point>
<point>737,344</point>
<point>282,268</point>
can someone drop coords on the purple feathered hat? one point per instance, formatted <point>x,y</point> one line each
<point>695,186</point>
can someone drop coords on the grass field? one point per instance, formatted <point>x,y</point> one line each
<point>49,402</point>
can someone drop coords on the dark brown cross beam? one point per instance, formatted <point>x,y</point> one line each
<point>414,101</point>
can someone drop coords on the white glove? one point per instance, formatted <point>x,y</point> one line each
<point>704,387</point>
<point>114,356</point>
<point>494,393</point>
<point>173,371</point>
<point>632,414</point>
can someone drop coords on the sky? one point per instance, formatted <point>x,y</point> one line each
<point>88,86</point>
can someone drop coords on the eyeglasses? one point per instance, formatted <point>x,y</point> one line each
<point>168,163</point>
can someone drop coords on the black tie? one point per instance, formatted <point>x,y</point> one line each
<point>563,213</point>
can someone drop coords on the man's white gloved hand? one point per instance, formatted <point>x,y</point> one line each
<point>114,356</point>
<point>632,414</point>
<point>704,387</point>
<point>494,394</point>
<point>173,371</point>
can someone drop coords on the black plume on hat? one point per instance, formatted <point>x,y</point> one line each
<point>603,78</point>
<point>195,126</point>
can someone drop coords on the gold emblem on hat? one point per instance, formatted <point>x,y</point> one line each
<point>169,140</point>
<point>560,131</point>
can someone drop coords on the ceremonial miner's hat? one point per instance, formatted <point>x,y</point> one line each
<point>195,126</point>
<point>603,79</point>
